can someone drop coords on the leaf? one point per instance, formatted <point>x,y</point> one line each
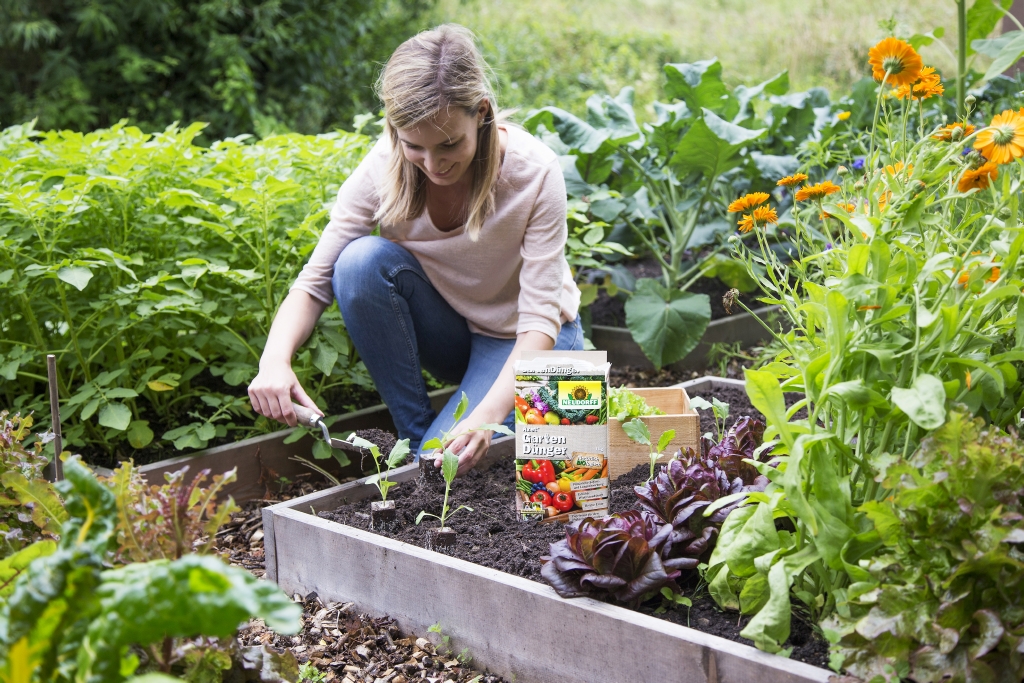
<point>982,18</point>
<point>116,416</point>
<point>666,439</point>
<point>500,429</point>
<point>667,324</point>
<point>766,395</point>
<point>47,509</point>
<point>924,402</point>
<point>698,403</point>
<point>460,409</point>
<point>432,445</point>
<point>637,431</point>
<point>324,358</point>
<point>76,276</point>
<point>139,434</point>
<point>769,628</point>
<point>711,144</point>
<point>449,465</point>
<point>399,453</point>
<point>157,385</point>
<point>13,566</point>
<point>699,85</point>
<point>1011,51</point>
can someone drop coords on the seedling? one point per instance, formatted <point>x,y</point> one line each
<point>718,408</point>
<point>382,512</point>
<point>671,600</point>
<point>637,431</point>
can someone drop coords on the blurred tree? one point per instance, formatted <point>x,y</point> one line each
<point>242,65</point>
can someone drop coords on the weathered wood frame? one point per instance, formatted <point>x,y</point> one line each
<point>517,628</point>
<point>622,350</point>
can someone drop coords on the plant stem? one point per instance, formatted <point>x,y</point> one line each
<point>961,55</point>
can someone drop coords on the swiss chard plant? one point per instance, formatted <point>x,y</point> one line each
<point>903,296</point>
<point>941,597</point>
<point>665,186</point>
<point>69,616</point>
<point>616,557</point>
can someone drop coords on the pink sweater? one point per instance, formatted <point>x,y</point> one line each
<point>513,279</point>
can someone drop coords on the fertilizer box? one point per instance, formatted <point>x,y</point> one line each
<point>561,436</point>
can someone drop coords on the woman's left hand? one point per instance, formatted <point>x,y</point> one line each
<point>470,446</point>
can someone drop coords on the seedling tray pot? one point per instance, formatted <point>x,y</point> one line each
<point>517,628</point>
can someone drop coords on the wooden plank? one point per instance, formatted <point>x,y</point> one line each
<point>514,627</point>
<point>624,454</point>
<point>262,460</point>
<point>622,350</point>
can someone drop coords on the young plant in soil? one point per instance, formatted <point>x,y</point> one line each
<point>719,409</point>
<point>637,431</point>
<point>383,516</point>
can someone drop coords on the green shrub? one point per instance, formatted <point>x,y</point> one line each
<point>153,267</point>
<point>243,66</point>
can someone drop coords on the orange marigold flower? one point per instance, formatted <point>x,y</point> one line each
<point>816,191</point>
<point>758,218</point>
<point>898,58</point>
<point>1003,140</point>
<point>978,178</point>
<point>791,180</point>
<point>968,377</point>
<point>946,132</point>
<point>747,201</point>
<point>929,85</point>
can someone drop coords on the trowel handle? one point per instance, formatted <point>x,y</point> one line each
<point>307,418</point>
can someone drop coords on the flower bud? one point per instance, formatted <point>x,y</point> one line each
<point>1003,213</point>
<point>860,184</point>
<point>957,134</point>
<point>841,171</point>
<point>733,238</point>
<point>970,100</point>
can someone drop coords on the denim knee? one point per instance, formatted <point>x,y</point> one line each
<point>363,259</point>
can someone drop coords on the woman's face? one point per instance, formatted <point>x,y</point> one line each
<point>444,145</point>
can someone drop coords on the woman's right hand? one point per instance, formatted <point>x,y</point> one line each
<point>273,390</point>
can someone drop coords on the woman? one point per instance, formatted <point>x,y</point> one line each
<point>468,270</point>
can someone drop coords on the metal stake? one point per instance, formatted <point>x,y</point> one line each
<point>56,467</point>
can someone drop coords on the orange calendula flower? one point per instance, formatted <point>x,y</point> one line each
<point>817,191</point>
<point>747,201</point>
<point>894,169</point>
<point>994,275</point>
<point>896,57</point>
<point>929,85</point>
<point>758,218</point>
<point>843,115</point>
<point>791,180</point>
<point>968,377</point>
<point>883,200</point>
<point>946,132</point>
<point>964,276</point>
<point>1003,140</point>
<point>978,178</point>
<point>847,206</point>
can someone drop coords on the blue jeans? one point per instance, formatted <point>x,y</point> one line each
<point>400,324</point>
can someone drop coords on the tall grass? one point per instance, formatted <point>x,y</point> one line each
<point>561,51</point>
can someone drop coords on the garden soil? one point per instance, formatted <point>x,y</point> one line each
<point>492,535</point>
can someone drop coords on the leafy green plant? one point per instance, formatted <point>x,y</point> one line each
<point>70,617</point>
<point>667,184</point>
<point>152,267</point>
<point>638,432</point>
<point>617,556</point>
<point>624,404</point>
<point>399,452</point>
<point>718,408</point>
<point>30,508</point>
<point>940,598</point>
<point>903,294</point>
<point>310,674</point>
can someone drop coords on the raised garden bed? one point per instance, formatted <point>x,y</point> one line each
<point>741,327</point>
<point>498,616</point>
<point>263,460</point>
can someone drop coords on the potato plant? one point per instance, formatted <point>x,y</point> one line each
<point>152,267</point>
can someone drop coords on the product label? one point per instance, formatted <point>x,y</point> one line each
<point>592,484</point>
<point>580,516</point>
<point>592,494</point>
<point>575,395</point>
<point>599,504</point>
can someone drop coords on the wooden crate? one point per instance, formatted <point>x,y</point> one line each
<point>625,454</point>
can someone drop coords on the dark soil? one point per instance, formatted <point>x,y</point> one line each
<point>608,310</point>
<point>492,535</point>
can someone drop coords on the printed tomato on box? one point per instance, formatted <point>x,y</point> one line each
<point>561,438</point>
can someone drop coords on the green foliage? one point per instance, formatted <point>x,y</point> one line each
<point>665,186</point>
<point>399,452</point>
<point>30,509</point>
<point>153,267</point>
<point>624,404</point>
<point>897,309</point>
<point>69,617</point>
<point>941,598</point>
<point>244,67</point>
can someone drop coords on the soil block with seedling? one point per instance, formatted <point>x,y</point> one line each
<point>383,514</point>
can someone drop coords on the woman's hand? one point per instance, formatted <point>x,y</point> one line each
<point>274,389</point>
<point>470,446</point>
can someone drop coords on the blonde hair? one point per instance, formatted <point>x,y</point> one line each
<point>432,71</point>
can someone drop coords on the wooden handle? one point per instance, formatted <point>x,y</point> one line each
<point>306,416</point>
